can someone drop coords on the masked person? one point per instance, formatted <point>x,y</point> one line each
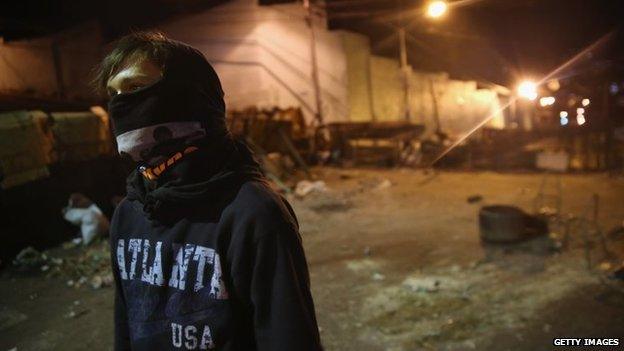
<point>204,254</point>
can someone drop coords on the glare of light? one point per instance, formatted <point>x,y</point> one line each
<point>585,102</point>
<point>580,111</point>
<point>436,9</point>
<point>547,101</point>
<point>580,120</point>
<point>563,114</point>
<point>613,88</point>
<point>553,85</point>
<point>563,121</point>
<point>528,90</point>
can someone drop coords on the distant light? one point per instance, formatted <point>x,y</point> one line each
<point>528,90</point>
<point>547,101</point>
<point>613,88</point>
<point>563,114</point>
<point>436,9</point>
<point>553,85</point>
<point>580,120</point>
<point>585,102</point>
<point>580,111</point>
<point>563,121</point>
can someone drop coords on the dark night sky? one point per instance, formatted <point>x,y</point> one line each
<point>496,40</point>
<point>499,40</point>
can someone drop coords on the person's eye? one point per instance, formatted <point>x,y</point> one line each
<point>135,87</point>
<point>112,92</point>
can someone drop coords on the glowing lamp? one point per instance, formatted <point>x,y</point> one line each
<point>527,90</point>
<point>436,9</point>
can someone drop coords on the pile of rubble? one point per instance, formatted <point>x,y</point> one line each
<point>77,265</point>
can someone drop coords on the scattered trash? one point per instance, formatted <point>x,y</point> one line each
<point>378,277</point>
<point>605,266</point>
<point>367,251</point>
<point>345,176</point>
<point>100,281</point>
<point>469,344</point>
<point>29,257</point>
<point>83,212</point>
<point>617,274</point>
<point>384,184</point>
<point>547,211</point>
<point>425,284</point>
<point>374,183</point>
<point>474,199</point>
<point>76,314</point>
<point>305,187</point>
<point>96,282</point>
<point>455,268</point>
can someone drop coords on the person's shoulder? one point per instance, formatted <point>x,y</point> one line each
<point>124,208</point>
<point>256,201</point>
<point>125,213</point>
<point>256,196</point>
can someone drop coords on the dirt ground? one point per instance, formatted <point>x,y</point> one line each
<point>396,264</point>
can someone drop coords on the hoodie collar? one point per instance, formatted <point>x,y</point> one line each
<point>209,172</point>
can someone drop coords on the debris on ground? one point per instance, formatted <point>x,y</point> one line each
<point>76,265</point>
<point>448,306</point>
<point>29,257</point>
<point>474,199</point>
<point>618,274</point>
<point>384,184</point>
<point>374,183</point>
<point>378,276</point>
<point>306,187</point>
<point>10,317</point>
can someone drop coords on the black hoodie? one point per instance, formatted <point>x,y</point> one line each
<point>209,258</point>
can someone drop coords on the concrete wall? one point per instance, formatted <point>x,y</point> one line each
<point>387,89</point>
<point>263,56</point>
<point>459,105</point>
<point>28,67</point>
<point>359,85</point>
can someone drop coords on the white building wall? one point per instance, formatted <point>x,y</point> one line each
<point>459,105</point>
<point>262,55</point>
<point>28,66</point>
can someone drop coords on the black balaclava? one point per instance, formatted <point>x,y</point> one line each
<point>185,105</point>
<point>183,110</point>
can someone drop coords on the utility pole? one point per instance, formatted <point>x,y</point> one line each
<point>405,73</point>
<point>58,69</point>
<point>314,63</point>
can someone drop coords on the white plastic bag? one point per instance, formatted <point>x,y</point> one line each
<point>90,219</point>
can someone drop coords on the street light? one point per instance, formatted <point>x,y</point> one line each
<point>436,9</point>
<point>547,101</point>
<point>528,90</point>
